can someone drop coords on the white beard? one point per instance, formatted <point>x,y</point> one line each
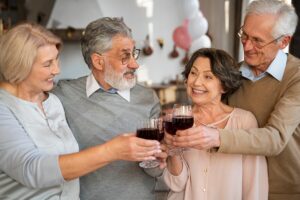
<point>118,81</point>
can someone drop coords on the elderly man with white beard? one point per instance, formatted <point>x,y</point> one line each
<point>106,103</point>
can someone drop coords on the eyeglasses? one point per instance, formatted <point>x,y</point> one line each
<point>258,43</point>
<point>127,56</point>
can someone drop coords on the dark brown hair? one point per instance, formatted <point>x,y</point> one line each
<point>223,66</point>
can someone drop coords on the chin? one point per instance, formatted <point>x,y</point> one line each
<point>250,62</point>
<point>48,88</point>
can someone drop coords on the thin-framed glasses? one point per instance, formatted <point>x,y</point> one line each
<point>125,59</point>
<point>258,43</point>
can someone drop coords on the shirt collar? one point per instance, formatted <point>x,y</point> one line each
<point>276,68</point>
<point>92,86</point>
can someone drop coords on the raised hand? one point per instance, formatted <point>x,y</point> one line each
<point>200,137</point>
<point>129,147</point>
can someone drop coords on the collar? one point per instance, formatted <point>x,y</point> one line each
<point>276,68</point>
<point>92,86</point>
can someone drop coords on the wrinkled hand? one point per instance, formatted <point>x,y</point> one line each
<point>129,147</point>
<point>200,137</point>
<point>162,156</point>
<point>168,140</point>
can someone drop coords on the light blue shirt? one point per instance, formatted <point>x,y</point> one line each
<point>30,144</point>
<point>276,68</point>
<point>92,86</point>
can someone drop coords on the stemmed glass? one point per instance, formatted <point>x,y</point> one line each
<point>150,129</point>
<point>182,118</point>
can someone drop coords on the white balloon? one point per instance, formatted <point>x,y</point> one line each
<point>190,8</point>
<point>202,42</point>
<point>198,26</point>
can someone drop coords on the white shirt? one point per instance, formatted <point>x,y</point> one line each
<point>92,86</point>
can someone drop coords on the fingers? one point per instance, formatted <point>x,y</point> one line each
<point>144,149</point>
<point>147,143</point>
<point>201,137</point>
<point>188,137</point>
<point>168,139</point>
<point>162,156</point>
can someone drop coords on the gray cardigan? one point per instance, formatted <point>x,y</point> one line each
<point>97,119</point>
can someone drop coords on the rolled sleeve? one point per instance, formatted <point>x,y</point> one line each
<point>176,183</point>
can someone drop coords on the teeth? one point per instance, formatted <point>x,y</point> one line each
<point>198,91</point>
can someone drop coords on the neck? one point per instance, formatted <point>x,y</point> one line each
<point>257,70</point>
<point>100,79</point>
<point>23,92</point>
<point>207,114</point>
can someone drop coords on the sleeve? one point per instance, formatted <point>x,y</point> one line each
<point>177,183</point>
<point>156,109</point>
<point>19,157</point>
<point>274,136</point>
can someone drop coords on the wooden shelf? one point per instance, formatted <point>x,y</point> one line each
<point>69,34</point>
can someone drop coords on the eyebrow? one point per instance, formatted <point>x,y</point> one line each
<point>198,70</point>
<point>257,37</point>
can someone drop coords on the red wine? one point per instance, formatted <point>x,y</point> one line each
<point>148,133</point>
<point>182,122</point>
<point>169,127</point>
<point>161,135</point>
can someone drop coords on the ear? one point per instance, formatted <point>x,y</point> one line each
<point>97,61</point>
<point>284,41</point>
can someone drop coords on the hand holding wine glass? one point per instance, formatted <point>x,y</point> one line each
<point>182,118</point>
<point>150,129</point>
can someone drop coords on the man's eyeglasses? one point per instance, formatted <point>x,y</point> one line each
<point>125,59</point>
<point>258,43</point>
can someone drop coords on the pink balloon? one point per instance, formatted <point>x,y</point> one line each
<point>181,37</point>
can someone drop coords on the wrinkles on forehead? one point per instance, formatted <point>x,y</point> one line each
<point>121,44</point>
<point>259,25</point>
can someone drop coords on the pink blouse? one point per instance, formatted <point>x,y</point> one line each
<point>216,176</point>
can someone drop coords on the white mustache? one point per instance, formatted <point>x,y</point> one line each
<point>130,72</point>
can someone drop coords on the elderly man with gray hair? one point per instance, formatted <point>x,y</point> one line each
<point>106,103</point>
<point>271,91</point>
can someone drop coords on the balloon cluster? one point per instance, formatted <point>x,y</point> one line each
<point>191,35</point>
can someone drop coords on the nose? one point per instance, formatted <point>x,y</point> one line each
<point>133,63</point>
<point>55,69</point>
<point>198,80</point>
<point>248,45</point>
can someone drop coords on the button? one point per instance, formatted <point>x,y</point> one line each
<point>204,189</point>
<point>205,170</point>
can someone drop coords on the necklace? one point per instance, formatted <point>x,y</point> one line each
<point>213,124</point>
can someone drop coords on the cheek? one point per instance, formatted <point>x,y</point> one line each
<point>188,86</point>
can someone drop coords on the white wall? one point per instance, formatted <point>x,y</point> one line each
<point>166,16</point>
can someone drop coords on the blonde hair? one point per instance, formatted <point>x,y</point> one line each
<point>19,48</point>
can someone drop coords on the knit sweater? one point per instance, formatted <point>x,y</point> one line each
<point>97,119</point>
<point>276,105</point>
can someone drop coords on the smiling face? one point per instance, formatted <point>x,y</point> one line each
<point>43,71</point>
<point>203,87</point>
<point>259,28</point>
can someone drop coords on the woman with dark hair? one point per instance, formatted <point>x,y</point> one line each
<point>211,75</point>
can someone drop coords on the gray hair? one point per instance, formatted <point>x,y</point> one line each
<point>286,17</point>
<point>99,34</point>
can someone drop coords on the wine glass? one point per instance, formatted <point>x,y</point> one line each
<point>150,129</point>
<point>182,119</point>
